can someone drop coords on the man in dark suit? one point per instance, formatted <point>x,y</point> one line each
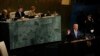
<point>74,34</point>
<point>72,37</point>
<point>4,15</point>
<point>20,13</point>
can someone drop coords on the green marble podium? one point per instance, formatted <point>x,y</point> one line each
<point>34,31</point>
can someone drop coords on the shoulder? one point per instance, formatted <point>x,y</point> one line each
<point>23,12</point>
<point>80,33</point>
<point>16,12</point>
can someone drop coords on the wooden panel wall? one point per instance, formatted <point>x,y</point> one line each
<point>40,4</point>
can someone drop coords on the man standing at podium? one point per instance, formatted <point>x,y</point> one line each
<point>74,34</point>
<point>72,37</point>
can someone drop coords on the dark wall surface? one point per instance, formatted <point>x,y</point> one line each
<point>40,4</point>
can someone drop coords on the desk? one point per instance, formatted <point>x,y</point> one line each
<point>32,32</point>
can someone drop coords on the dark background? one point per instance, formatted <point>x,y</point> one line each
<point>68,13</point>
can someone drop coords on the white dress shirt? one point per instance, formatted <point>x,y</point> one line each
<point>75,32</point>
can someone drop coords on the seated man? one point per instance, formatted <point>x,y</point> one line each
<point>74,34</point>
<point>4,15</point>
<point>19,14</point>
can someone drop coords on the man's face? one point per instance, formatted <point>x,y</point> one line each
<point>20,9</point>
<point>75,26</point>
<point>32,7</point>
<point>5,10</point>
<point>89,17</point>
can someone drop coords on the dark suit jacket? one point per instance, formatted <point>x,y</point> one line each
<point>18,16</point>
<point>4,18</point>
<point>72,36</point>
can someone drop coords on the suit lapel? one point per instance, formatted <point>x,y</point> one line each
<point>73,35</point>
<point>78,33</point>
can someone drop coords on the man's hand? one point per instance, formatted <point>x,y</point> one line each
<point>68,32</point>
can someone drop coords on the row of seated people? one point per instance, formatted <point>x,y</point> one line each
<point>20,13</point>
